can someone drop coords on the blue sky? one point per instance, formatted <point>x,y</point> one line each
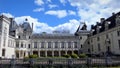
<point>56,15</point>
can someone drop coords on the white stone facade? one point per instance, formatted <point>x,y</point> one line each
<point>105,37</point>
<point>19,41</point>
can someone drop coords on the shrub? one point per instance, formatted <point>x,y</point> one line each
<point>66,56</point>
<point>74,56</point>
<point>82,55</point>
<point>33,56</point>
<point>26,58</point>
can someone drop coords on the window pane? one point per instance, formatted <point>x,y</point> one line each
<point>75,44</point>
<point>42,44</point>
<point>35,44</point>
<point>49,44</point>
<point>69,44</point>
<point>62,45</point>
<point>56,44</point>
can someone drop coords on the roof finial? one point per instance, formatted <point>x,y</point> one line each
<point>26,19</point>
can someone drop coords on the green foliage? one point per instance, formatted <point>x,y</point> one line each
<point>74,56</point>
<point>26,58</point>
<point>82,55</point>
<point>66,56</point>
<point>33,56</point>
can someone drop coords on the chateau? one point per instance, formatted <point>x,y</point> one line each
<point>19,41</point>
<point>104,38</point>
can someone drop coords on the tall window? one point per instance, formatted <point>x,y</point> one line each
<point>28,45</point>
<point>17,44</point>
<point>21,44</point>
<point>81,45</point>
<point>35,44</point>
<point>118,33</point>
<point>75,44</point>
<point>3,52</point>
<point>107,36</point>
<point>98,38</point>
<point>5,35</point>
<point>69,44</point>
<point>56,44</point>
<point>62,44</point>
<point>99,49</point>
<point>49,45</point>
<point>42,44</point>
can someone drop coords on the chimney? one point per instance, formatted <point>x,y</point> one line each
<point>97,23</point>
<point>32,26</point>
<point>113,13</point>
<point>101,20</point>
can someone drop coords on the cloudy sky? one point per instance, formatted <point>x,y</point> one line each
<point>57,15</point>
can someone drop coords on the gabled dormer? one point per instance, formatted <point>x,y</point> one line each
<point>117,20</point>
<point>98,27</point>
<point>26,26</point>
<point>107,25</point>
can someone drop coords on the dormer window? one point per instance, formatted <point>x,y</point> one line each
<point>107,25</point>
<point>117,20</point>
<point>19,37</point>
<point>98,28</point>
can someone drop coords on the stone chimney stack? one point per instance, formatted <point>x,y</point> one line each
<point>32,26</point>
<point>101,20</point>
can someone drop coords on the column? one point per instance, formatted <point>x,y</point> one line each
<point>52,53</point>
<point>45,53</point>
<point>38,53</point>
<point>72,52</point>
<point>66,52</point>
<point>59,54</point>
<point>19,53</point>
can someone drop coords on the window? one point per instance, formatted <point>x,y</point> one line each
<point>17,44</point>
<point>98,38</point>
<point>80,37</point>
<point>21,45</point>
<point>19,37</point>
<point>29,37</point>
<point>28,45</point>
<point>118,33</point>
<point>91,40</point>
<point>35,44</point>
<point>75,44</point>
<point>99,49</point>
<point>119,44</point>
<point>49,44</point>
<point>88,42</point>
<point>42,44</point>
<point>69,44</point>
<point>62,44</point>
<point>3,52</point>
<point>81,45</point>
<point>107,36</point>
<point>56,44</point>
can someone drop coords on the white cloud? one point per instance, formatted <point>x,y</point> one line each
<point>39,2</point>
<point>52,6</point>
<point>70,12</point>
<point>40,27</point>
<point>49,1</point>
<point>58,13</point>
<point>8,15</point>
<point>63,2</point>
<point>38,10</point>
<point>92,10</point>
